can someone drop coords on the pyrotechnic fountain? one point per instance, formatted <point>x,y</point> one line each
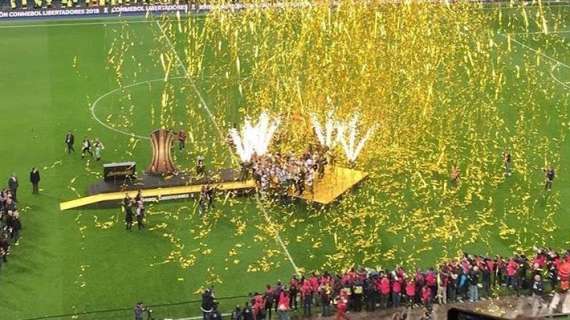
<point>325,138</point>
<point>254,138</point>
<point>346,136</point>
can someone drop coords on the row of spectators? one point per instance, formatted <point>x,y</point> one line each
<point>10,224</point>
<point>60,4</point>
<point>470,278</point>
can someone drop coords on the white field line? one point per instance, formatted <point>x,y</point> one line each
<point>537,52</point>
<point>192,83</point>
<point>539,32</point>
<point>205,106</point>
<point>96,102</point>
<point>562,83</point>
<point>72,24</point>
<point>277,237</point>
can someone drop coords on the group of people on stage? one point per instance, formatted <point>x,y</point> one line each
<point>10,224</point>
<point>91,147</point>
<point>468,278</point>
<point>282,174</point>
<point>134,209</point>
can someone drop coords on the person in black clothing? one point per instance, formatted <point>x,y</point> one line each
<point>200,166</point>
<point>35,180</point>
<point>208,304</point>
<point>4,248</point>
<point>236,314</point>
<point>215,315</point>
<point>537,286</point>
<point>16,227</point>
<point>210,195</point>
<point>473,278</point>
<point>247,313</point>
<point>370,294</point>
<point>268,297</point>
<point>507,162</point>
<point>13,186</point>
<point>549,174</point>
<point>86,148</point>
<point>203,200</point>
<point>69,141</point>
<point>140,215</point>
<point>128,206</point>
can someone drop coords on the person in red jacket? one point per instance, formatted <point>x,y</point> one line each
<point>307,296</point>
<point>258,306</point>
<point>564,274</point>
<point>384,291</point>
<point>283,305</point>
<point>341,306</point>
<point>431,281</point>
<point>426,295</point>
<point>512,269</point>
<point>410,291</point>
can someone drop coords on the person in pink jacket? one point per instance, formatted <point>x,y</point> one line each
<point>410,291</point>
<point>283,305</point>
<point>384,291</point>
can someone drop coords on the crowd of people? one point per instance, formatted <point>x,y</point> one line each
<point>10,224</point>
<point>282,174</point>
<point>470,278</point>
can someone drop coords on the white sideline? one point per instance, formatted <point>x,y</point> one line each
<point>538,52</point>
<point>222,138</point>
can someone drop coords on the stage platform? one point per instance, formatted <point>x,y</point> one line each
<point>153,182</point>
<point>154,194</point>
<point>335,182</point>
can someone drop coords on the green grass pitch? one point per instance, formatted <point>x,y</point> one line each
<point>82,260</point>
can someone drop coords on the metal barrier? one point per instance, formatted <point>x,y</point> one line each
<point>185,310</point>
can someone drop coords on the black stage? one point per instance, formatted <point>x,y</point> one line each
<point>152,181</point>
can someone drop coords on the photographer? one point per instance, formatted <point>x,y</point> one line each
<point>139,311</point>
<point>208,304</point>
